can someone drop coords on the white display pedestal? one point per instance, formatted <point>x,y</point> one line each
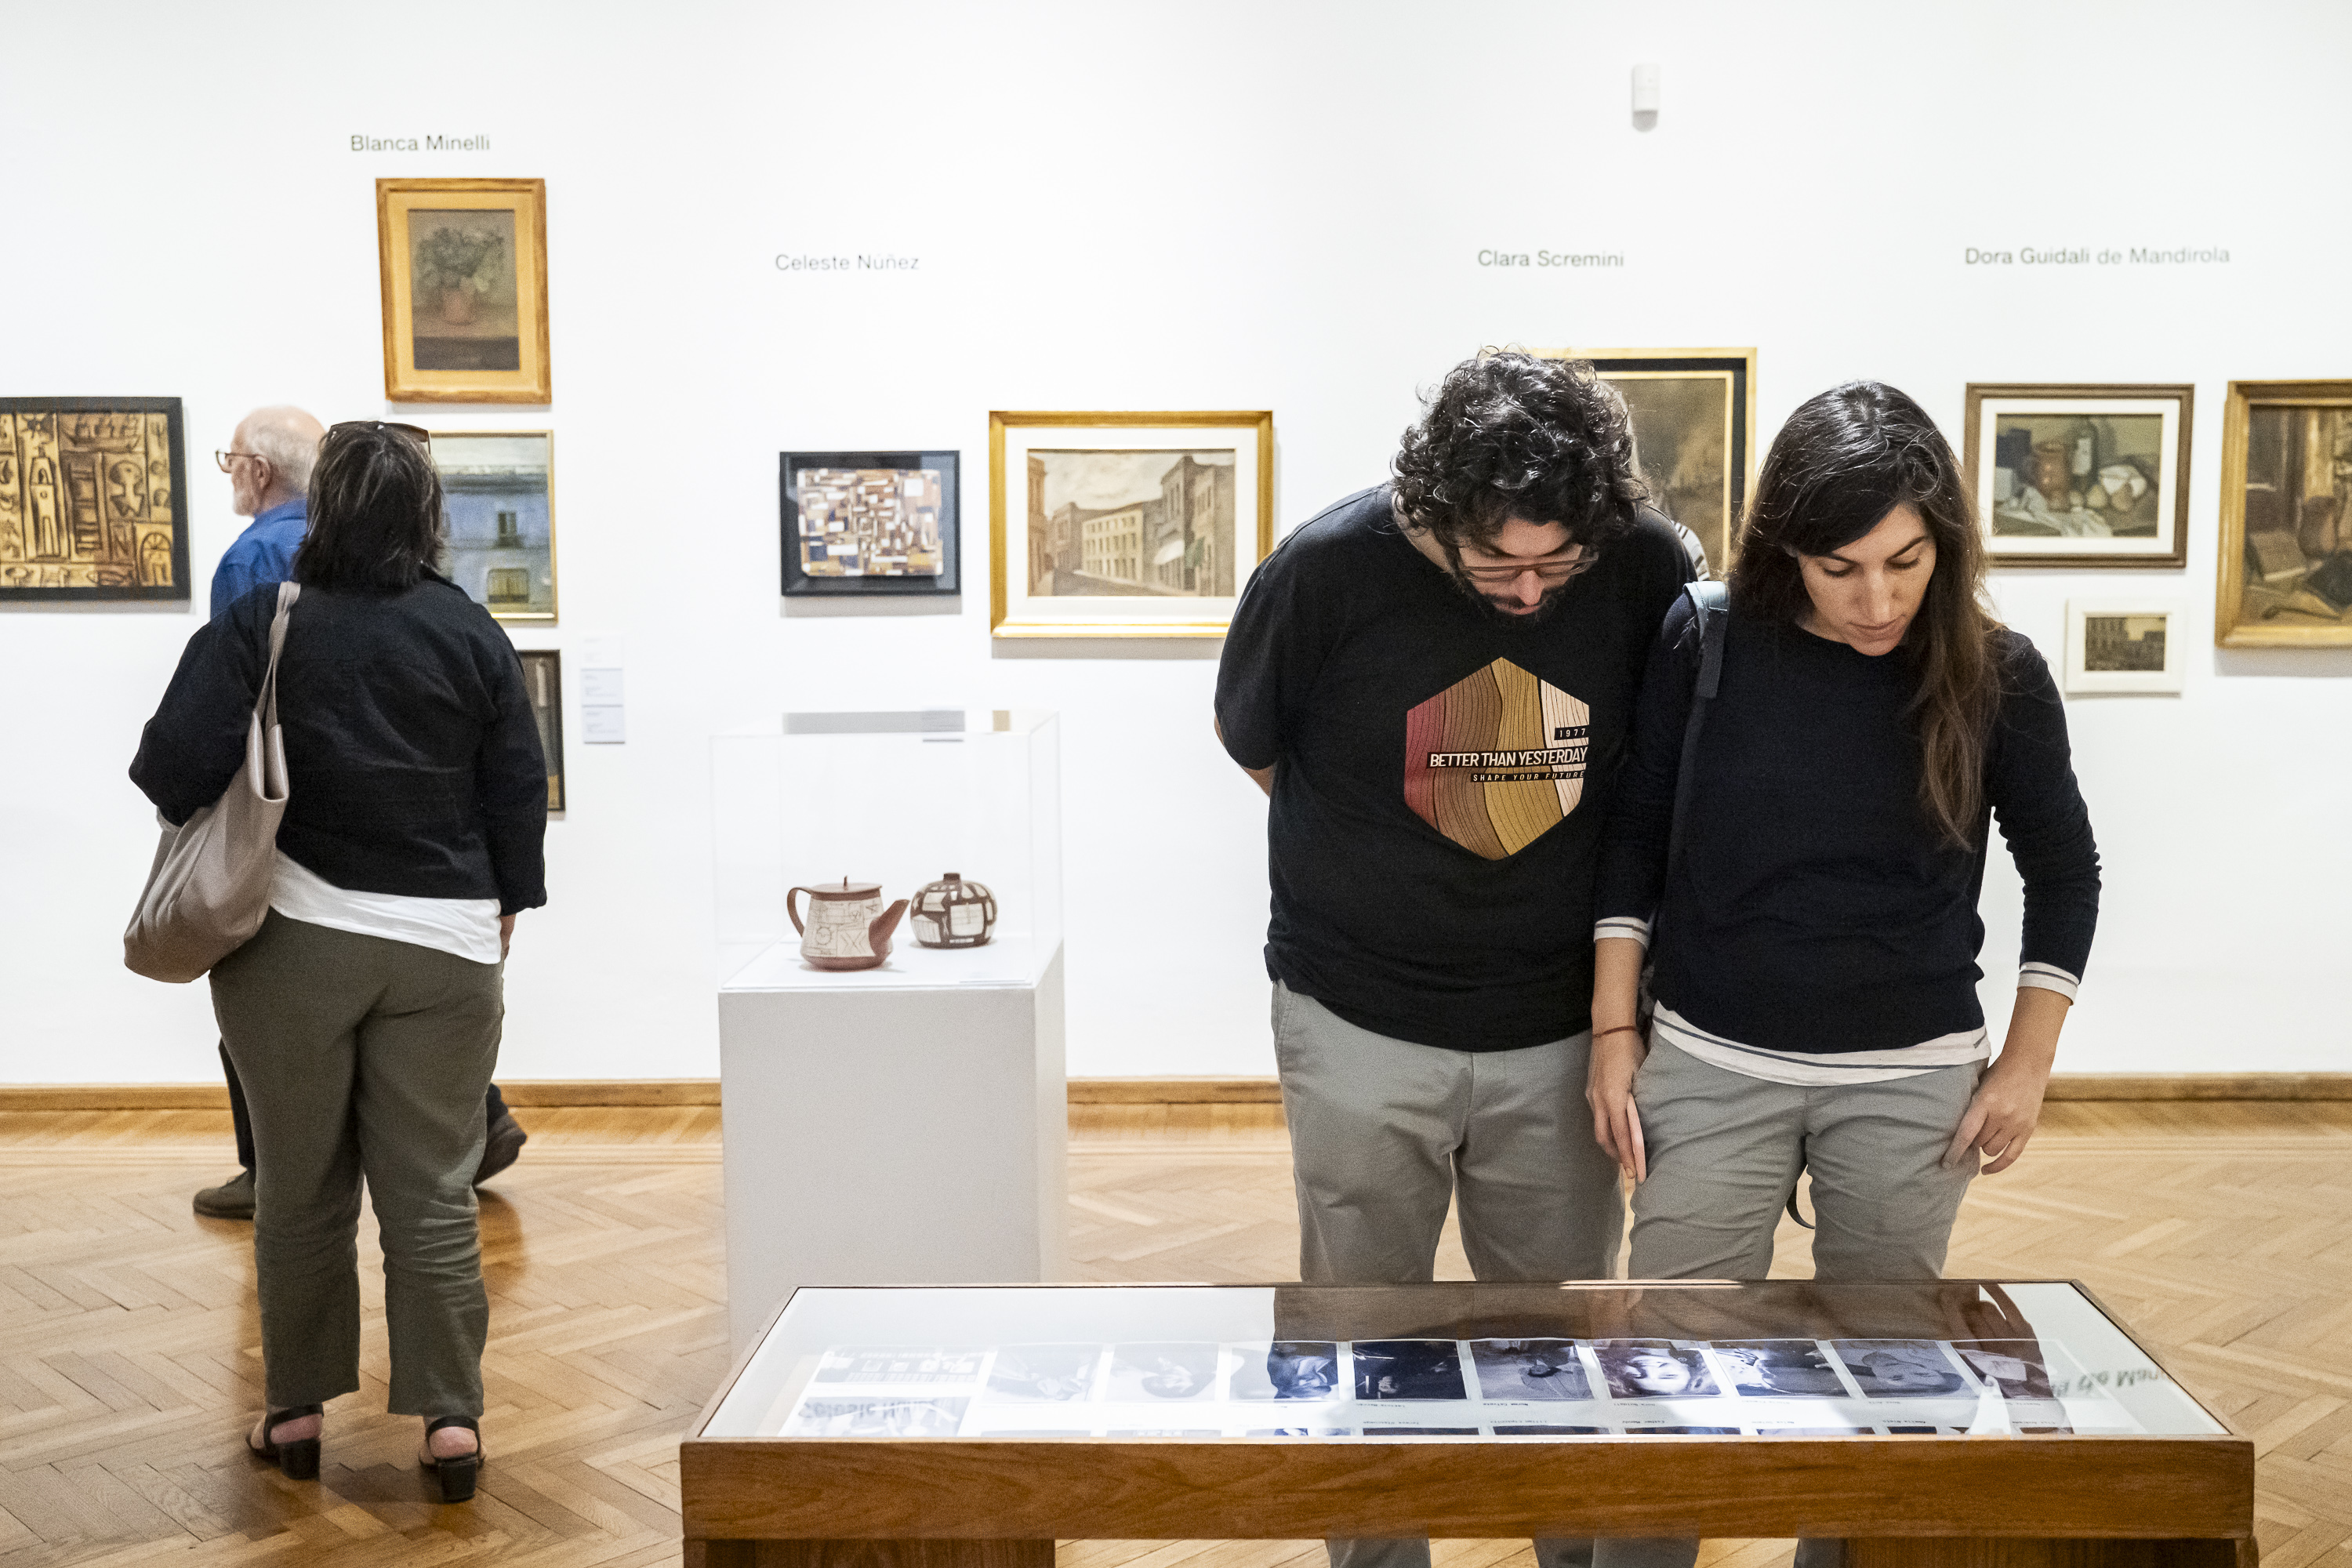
<point>906,1125</point>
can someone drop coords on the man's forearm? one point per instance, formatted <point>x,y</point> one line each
<point>1264,777</point>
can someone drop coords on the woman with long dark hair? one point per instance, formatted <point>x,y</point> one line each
<point>364,1016</point>
<point>1808,911</point>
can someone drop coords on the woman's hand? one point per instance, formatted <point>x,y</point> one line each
<point>506,935</point>
<point>2007,1106</point>
<point>1609,1089</point>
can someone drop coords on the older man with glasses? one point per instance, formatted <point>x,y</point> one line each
<point>1434,681</point>
<point>269,462</point>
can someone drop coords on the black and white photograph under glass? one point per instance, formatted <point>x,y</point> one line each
<point>1043,1372</point>
<point>1287,1369</point>
<point>1901,1369</point>
<point>1528,1369</point>
<point>1790,1369</point>
<point>1409,1369</point>
<point>1181,1370</point>
<point>2020,1368</point>
<point>1653,1369</point>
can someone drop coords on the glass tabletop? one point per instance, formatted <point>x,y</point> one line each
<point>1453,1362</point>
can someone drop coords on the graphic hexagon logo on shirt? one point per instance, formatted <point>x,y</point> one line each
<point>1495,759</point>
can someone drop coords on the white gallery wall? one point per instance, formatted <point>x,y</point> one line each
<point>1221,203</point>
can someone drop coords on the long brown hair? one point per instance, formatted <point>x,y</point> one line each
<point>1843,461</point>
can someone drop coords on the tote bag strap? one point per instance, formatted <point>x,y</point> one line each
<point>266,707</point>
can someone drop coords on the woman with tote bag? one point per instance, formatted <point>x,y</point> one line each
<point>363,1016</point>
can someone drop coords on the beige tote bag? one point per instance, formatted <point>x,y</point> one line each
<point>209,890</point>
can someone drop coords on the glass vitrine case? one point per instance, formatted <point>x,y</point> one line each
<point>1534,1363</point>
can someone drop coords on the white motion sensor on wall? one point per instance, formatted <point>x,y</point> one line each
<point>1645,89</point>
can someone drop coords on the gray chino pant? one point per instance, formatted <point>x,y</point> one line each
<point>1384,1133</point>
<point>362,1056</point>
<point>1725,1151</point>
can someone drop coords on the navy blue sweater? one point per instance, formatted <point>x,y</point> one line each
<point>1815,908</point>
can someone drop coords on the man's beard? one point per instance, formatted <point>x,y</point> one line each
<point>1493,604</point>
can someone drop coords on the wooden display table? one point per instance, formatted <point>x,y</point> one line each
<point>1959,1424</point>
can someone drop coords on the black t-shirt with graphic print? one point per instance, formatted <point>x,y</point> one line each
<point>1441,773</point>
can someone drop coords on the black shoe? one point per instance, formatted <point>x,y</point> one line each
<point>232,1199</point>
<point>505,1142</point>
<point>297,1460</point>
<point>456,1475</point>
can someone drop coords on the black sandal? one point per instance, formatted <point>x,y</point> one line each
<point>459,1473</point>
<point>297,1460</point>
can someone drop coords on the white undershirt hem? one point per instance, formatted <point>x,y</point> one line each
<point>467,928</point>
<point>1810,1070</point>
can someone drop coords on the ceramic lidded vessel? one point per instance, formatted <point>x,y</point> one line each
<point>847,928</point>
<point>952,912</point>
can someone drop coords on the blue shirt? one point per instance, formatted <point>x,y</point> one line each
<point>264,553</point>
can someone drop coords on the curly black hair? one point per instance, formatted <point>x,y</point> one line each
<point>1511,434</point>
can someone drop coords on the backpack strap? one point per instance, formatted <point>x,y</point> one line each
<point>1711,614</point>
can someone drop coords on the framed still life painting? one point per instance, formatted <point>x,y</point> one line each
<point>1694,416</point>
<point>465,290</point>
<point>871,522</point>
<point>1108,525</point>
<point>93,499</point>
<point>542,679</point>
<point>2080,475</point>
<point>499,492</point>
<point>2287,515</point>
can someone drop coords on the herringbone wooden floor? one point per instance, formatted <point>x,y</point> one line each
<point>129,1358</point>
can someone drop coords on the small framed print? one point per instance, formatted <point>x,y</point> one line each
<point>542,679</point>
<point>872,523</point>
<point>1694,416</point>
<point>2123,645</point>
<point>465,290</point>
<point>497,490</point>
<point>2080,475</point>
<point>1126,525</point>
<point>2287,515</point>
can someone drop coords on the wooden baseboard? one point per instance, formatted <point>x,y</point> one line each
<point>1175,1091</point>
<point>556,1093</point>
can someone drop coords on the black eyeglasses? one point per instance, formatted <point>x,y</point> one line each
<point>225,458</point>
<point>415,433</point>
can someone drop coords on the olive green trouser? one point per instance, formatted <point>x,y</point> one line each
<point>362,1056</point>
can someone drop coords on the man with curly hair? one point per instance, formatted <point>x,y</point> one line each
<point>1434,681</point>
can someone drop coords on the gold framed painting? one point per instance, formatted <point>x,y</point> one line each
<point>93,499</point>
<point>2080,475</point>
<point>1694,415</point>
<point>2287,515</point>
<point>1125,525</point>
<point>465,290</point>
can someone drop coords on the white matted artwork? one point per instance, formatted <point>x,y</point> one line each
<point>2124,645</point>
<point>1126,524</point>
<point>2081,475</point>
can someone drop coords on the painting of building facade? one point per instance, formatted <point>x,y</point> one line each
<point>864,522</point>
<point>498,487</point>
<point>1117,524</point>
<point>92,498</point>
<point>1131,523</point>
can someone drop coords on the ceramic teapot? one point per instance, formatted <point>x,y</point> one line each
<point>848,927</point>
